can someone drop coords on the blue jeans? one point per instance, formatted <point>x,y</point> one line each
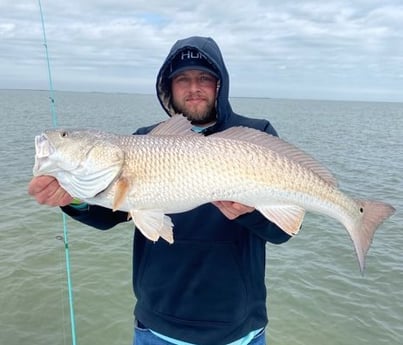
<point>144,336</point>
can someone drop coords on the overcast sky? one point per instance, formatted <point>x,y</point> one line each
<point>334,49</point>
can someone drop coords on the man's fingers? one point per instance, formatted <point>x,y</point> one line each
<point>231,209</point>
<point>46,190</point>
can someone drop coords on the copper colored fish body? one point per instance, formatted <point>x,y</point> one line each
<point>172,170</point>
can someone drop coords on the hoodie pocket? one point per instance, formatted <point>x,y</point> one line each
<point>193,282</point>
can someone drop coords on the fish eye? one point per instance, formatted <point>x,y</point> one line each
<point>64,134</point>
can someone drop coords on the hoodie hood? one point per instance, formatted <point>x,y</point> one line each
<point>210,50</point>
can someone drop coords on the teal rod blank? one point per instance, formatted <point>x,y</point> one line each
<point>64,220</point>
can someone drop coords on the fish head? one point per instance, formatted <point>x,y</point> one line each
<point>84,162</point>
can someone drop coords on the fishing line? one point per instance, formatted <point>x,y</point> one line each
<point>64,220</point>
<point>63,304</point>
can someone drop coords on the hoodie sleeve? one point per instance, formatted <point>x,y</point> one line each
<point>96,216</point>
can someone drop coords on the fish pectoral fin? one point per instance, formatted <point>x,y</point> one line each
<point>287,217</point>
<point>122,188</point>
<point>153,224</point>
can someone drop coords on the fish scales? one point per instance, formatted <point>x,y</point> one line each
<point>173,170</point>
<point>190,167</point>
<point>173,166</point>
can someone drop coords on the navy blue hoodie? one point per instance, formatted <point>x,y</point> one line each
<point>208,287</point>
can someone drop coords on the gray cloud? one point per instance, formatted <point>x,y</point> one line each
<point>305,49</point>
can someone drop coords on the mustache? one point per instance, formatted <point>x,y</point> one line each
<point>195,96</point>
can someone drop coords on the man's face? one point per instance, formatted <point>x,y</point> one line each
<point>194,95</point>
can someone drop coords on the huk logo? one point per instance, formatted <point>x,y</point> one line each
<point>191,54</point>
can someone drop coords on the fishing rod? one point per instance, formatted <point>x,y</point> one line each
<point>64,220</point>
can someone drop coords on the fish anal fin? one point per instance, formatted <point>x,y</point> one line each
<point>122,188</point>
<point>153,224</point>
<point>287,217</point>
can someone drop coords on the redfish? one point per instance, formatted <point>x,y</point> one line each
<point>173,170</point>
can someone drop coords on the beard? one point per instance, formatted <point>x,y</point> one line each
<point>200,114</point>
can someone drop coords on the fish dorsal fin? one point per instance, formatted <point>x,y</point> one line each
<point>279,146</point>
<point>176,125</point>
<point>153,224</point>
<point>287,217</point>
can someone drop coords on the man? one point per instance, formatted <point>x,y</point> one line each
<point>208,287</point>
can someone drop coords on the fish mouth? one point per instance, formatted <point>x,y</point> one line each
<point>43,149</point>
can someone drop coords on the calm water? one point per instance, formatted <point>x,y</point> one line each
<point>316,293</point>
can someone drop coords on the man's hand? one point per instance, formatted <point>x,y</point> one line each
<point>232,209</point>
<point>46,190</point>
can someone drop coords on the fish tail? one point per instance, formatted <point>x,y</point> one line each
<point>362,233</point>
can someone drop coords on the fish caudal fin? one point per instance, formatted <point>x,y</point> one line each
<point>153,224</point>
<point>373,214</point>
